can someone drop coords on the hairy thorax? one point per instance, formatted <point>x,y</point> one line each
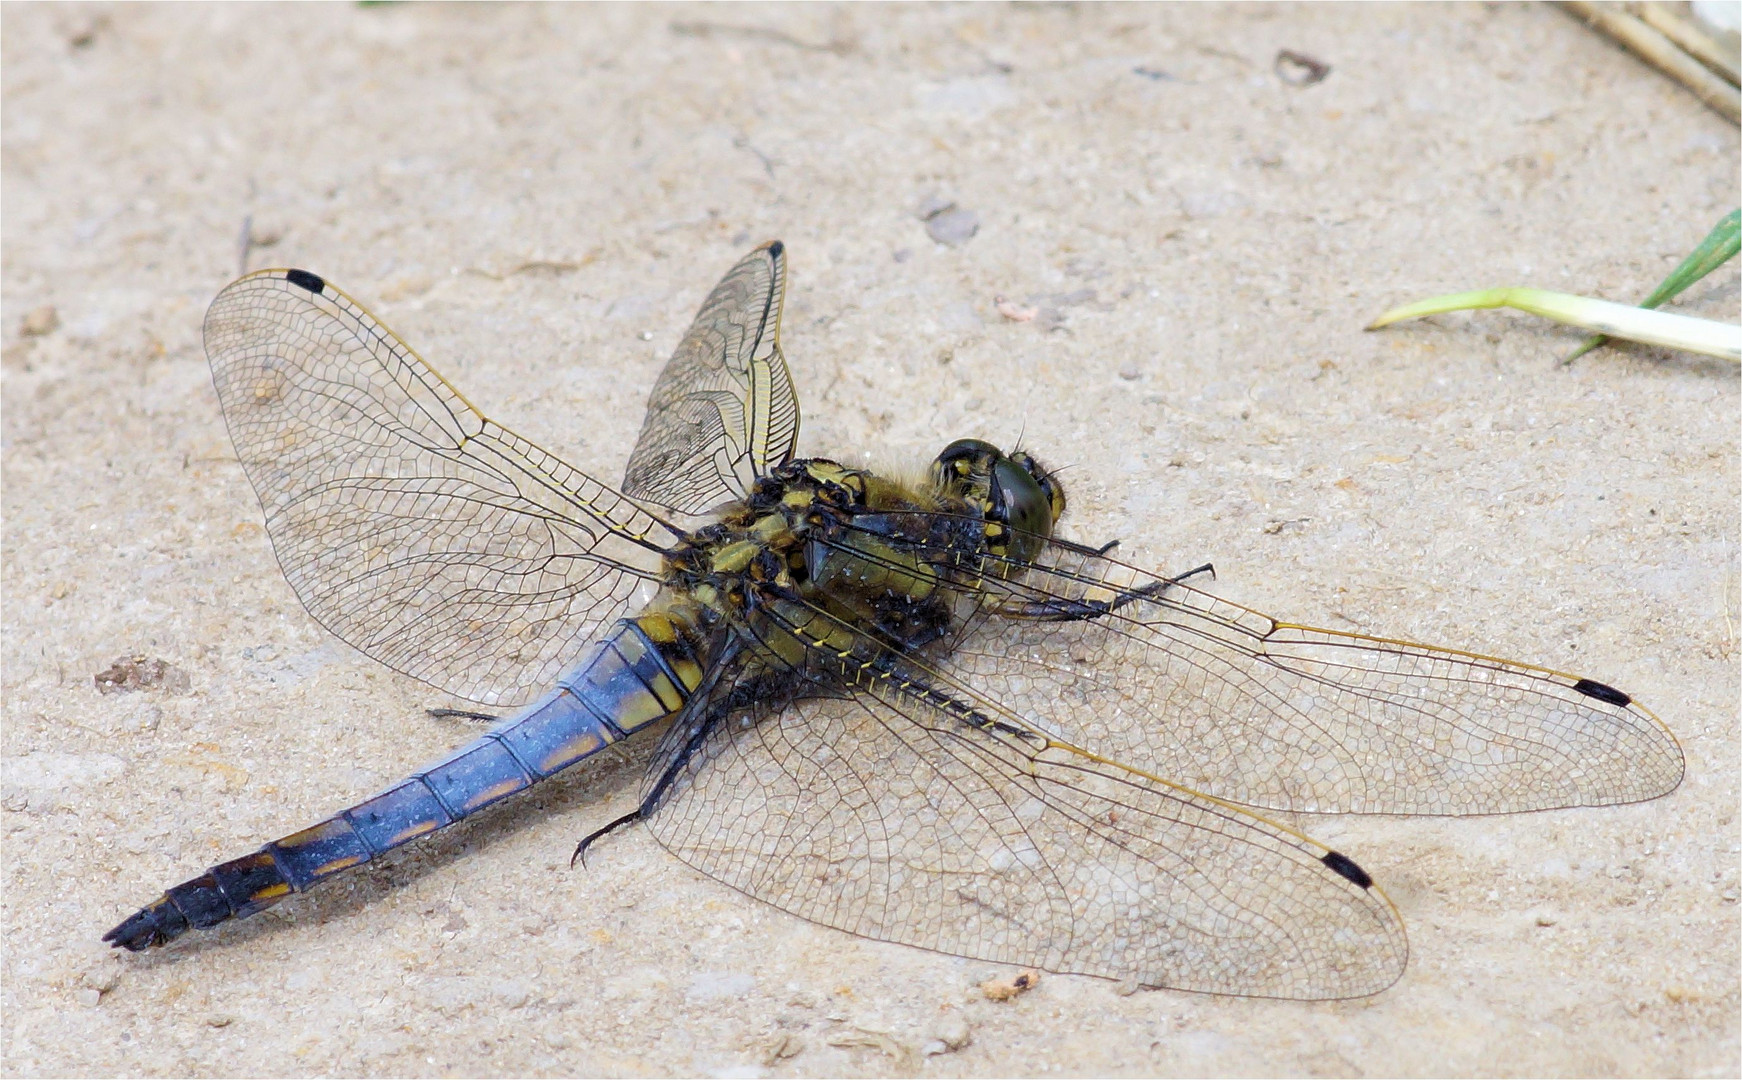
<point>825,560</point>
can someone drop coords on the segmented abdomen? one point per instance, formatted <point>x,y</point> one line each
<point>640,672</point>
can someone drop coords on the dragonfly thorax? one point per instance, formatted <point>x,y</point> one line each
<point>833,557</point>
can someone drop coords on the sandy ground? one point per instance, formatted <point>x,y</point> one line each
<point>537,198</point>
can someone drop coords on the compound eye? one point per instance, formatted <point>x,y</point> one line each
<point>1055,495</point>
<point>1019,501</point>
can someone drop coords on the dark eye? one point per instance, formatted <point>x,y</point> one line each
<point>1019,502</point>
<point>1055,494</point>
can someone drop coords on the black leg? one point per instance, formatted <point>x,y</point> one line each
<point>1084,549</point>
<point>1207,568</point>
<point>1052,609</point>
<point>580,855</point>
<point>462,714</point>
<point>651,803</point>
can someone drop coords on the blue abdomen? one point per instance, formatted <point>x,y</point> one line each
<point>641,671</point>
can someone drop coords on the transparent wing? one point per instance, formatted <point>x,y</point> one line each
<point>432,539</point>
<point>1288,717</point>
<point>888,815</point>
<point>723,411</point>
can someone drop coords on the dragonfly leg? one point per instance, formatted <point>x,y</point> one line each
<point>1207,568</point>
<point>1053,609</point>
<point>1085,549</point>
<point>580,855</point>
<point>697,735</point>
<point>462,714</point>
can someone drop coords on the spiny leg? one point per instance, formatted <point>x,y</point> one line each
<point>580,855</point>
<point>1053,609</point>
<point>462,714</point>
<point>703,703</point>
<point>1084,549</point>
<point>698,736</point>
<point>1207,568</point>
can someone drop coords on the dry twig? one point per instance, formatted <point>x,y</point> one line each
<point>1662,53</point>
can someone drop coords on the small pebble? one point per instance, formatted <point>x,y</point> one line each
<point>82,33</point>
<point>1005,989</point>
<point>782,1046</point>
<point>40,321</point>
<point>129,673</point>
<point>950,1035</point>
<point>953,227</point>
<point>933,206</point>
<point>262,233</point>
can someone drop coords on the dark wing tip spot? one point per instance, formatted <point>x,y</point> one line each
<point>1345,866</point>
<point>1602,692</point>
<point>775,248</point>
<point>305,280</point>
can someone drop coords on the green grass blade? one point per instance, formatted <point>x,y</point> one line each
<point>1718,248</point>
<point>1439,305</point>
<point>1615,320</point>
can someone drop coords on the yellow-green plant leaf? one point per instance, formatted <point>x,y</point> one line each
<point>1718,248</point>
<point>1616,320</point>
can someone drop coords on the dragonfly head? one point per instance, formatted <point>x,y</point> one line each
<point>1020,500</point>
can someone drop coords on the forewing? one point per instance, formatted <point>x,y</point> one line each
<point>1271,714</point>
<point>430,538</point>
<point>723,412</point>
<point>887,815</point>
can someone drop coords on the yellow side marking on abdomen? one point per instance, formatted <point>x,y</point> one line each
<point>494,792</point>
<point>413,832</point>
<point>336,865</point>
<point>279,891</point>
<point>584,743</point>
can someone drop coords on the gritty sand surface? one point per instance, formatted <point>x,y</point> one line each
<point>537,198</point>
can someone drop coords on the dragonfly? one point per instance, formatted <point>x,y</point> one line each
<point>906,708</point>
